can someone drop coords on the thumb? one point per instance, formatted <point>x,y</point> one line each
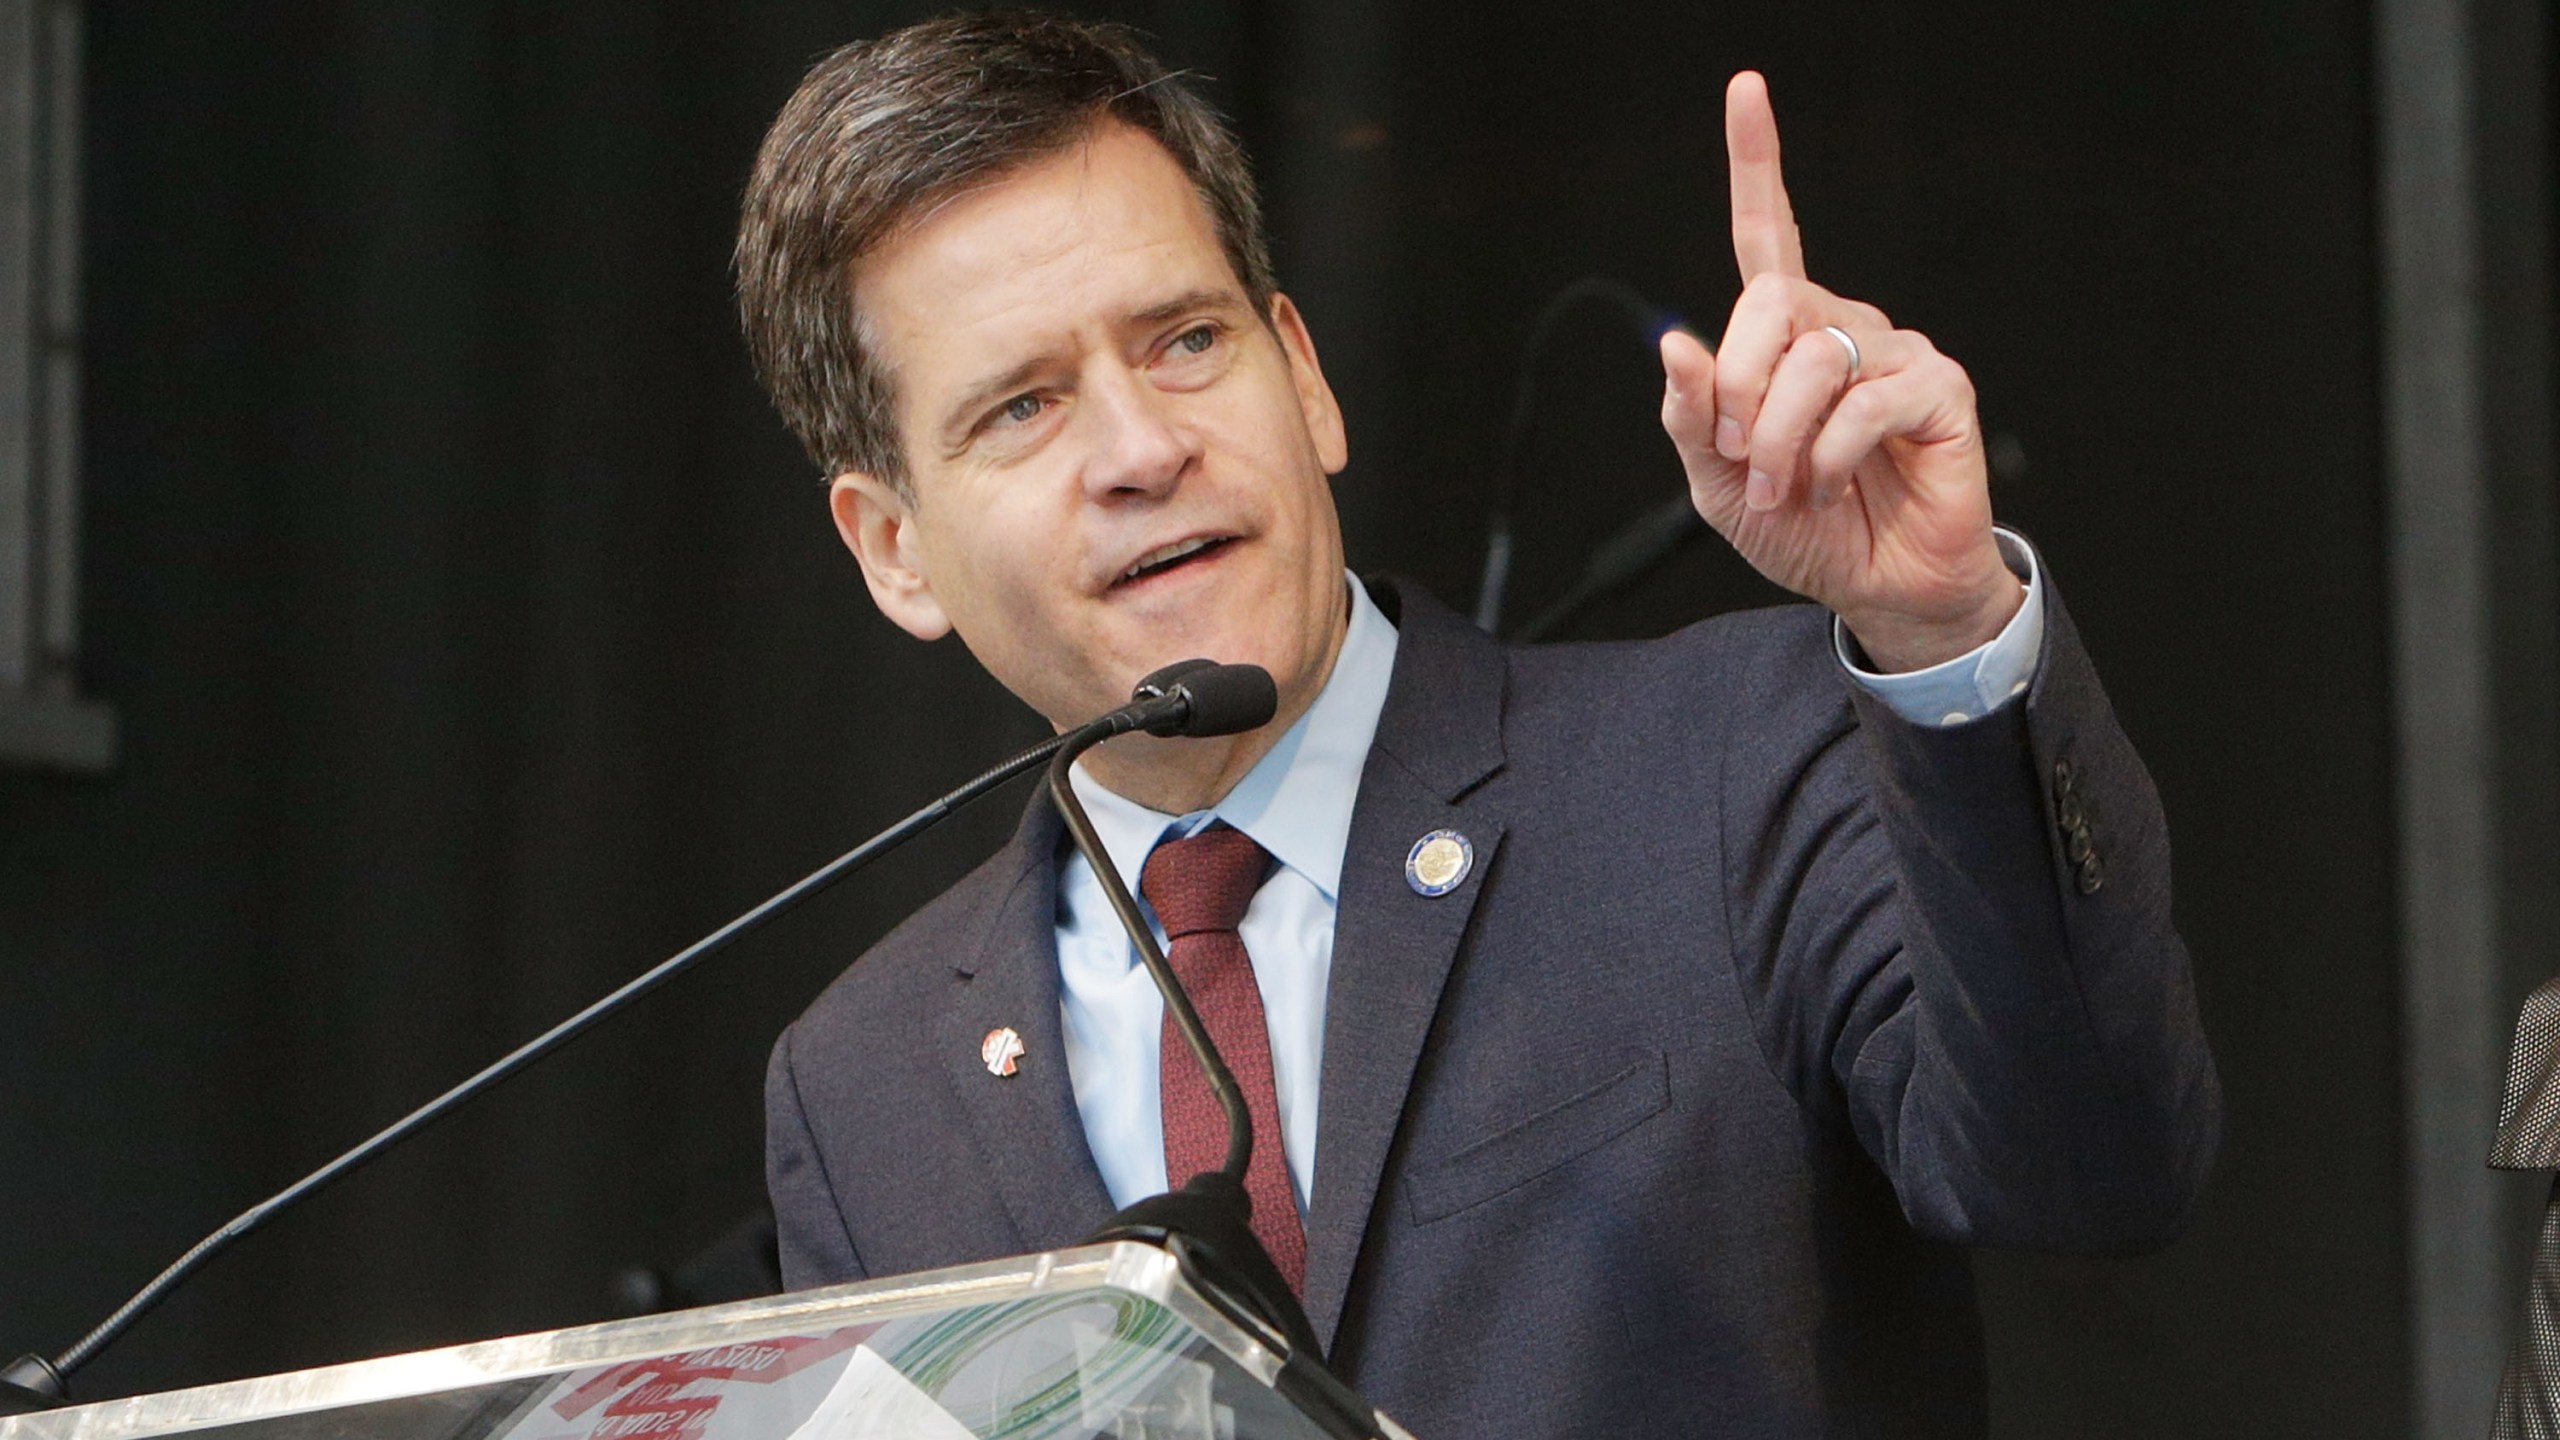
<point>1689,413</point>
<point>1688,393</point>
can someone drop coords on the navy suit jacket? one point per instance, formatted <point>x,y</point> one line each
<point>1759,1004</point>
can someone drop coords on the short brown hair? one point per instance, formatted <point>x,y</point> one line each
<point>881,130</point>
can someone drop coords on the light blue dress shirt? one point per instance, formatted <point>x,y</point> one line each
<point>1296,803</point>
<point>1980,680</point>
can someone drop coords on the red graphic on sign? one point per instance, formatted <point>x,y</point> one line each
<point>674,1396</point>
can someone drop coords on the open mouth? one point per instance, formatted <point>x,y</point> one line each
<point>1165,559</point>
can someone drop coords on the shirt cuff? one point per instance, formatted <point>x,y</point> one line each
<point>1979,681</point>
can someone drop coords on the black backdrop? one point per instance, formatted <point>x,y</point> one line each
<point>480,637</point>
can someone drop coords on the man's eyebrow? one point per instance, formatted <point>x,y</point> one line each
<point>1203,299</point>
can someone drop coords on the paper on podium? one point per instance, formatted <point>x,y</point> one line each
<point>872,1401</point>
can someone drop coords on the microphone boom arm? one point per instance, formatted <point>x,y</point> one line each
<point>32,1381</point>
<point>1186,1020</point>
<point>1205,1223</point>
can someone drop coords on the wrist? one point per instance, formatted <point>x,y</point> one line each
<point>1898,641</point>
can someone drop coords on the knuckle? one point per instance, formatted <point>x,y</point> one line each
<point>1738,393</point>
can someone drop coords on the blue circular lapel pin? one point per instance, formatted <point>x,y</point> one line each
<point>1438,862</point>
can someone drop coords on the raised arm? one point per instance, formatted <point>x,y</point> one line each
<point>1840,455</point>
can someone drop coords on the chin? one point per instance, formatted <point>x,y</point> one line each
<point>1236,627</point>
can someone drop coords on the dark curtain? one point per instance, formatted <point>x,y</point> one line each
<point>479,636</point>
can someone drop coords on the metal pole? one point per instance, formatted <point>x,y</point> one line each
<point>43,721</point>
<point>2470,564</point>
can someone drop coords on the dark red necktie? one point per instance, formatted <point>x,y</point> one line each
<point>1200,888</point>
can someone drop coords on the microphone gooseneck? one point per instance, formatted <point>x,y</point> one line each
<point>1196,698</point>
<point>32,1382</point>
<point>1206,1223</point>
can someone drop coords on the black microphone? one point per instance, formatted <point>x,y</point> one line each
<point>1182,699</point>
<point>1207,1223</point>
<point>1622,559</point>
<point>1650,319</point>
<point>1196,698</point>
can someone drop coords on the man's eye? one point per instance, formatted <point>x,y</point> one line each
<point>1197,339</point>
<point>1020,410</point>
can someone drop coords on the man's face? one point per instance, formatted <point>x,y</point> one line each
<point>1114,463</point>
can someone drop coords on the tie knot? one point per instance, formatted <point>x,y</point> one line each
<point>1205,882</point>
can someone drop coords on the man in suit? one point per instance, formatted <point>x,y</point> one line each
<point>1636,1034</point>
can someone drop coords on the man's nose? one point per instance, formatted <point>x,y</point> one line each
<point>1138,445</point>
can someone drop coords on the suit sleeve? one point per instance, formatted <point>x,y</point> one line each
<point>1957,942</point>
<point>809,1225</point>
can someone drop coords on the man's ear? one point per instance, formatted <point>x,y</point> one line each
<point>1315,397</point>
<point>879,526</point>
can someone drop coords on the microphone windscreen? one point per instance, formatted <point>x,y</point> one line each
<point>1159,683</point>
<point>1228,700</point>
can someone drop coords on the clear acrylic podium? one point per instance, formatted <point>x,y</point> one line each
<point>1107,1340</point>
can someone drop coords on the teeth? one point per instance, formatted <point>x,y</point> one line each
<point>1164,554</point>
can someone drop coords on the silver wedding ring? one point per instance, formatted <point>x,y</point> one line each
<point>1836,333</point>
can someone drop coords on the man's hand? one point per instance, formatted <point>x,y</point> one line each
<point>1859,486</point>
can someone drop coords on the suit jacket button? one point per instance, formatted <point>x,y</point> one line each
<point>2075,845</point>
<point>2071,812</point>
<point>2091,876</point>
<point>2062,775</point>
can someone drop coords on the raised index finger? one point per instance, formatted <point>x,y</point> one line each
<point>1764,225</point>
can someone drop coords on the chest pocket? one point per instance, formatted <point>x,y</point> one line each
<point>1546,1141</point>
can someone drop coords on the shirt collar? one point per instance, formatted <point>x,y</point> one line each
<point>1296,801</point>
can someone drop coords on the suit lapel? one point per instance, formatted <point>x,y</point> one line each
<point>1438,737</point>
<point>1027,1126</point>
